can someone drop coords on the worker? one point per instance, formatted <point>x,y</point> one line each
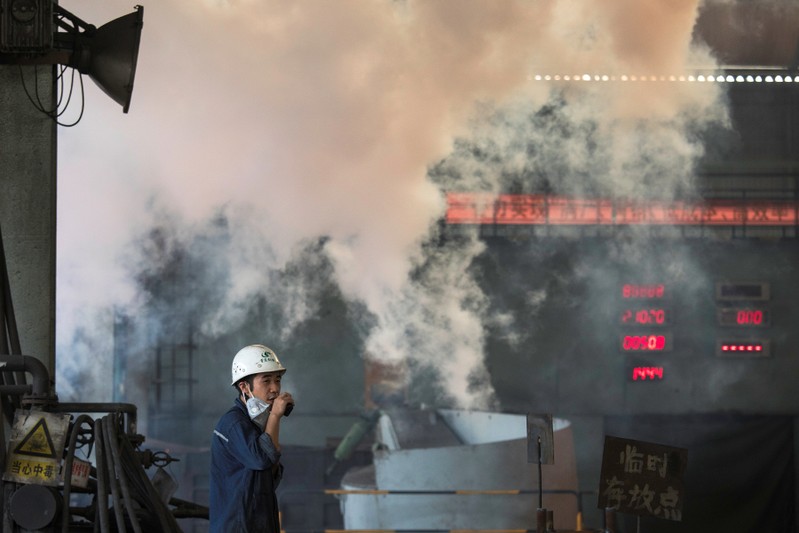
<point>245,446</point>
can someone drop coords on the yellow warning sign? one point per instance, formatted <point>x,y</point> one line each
<point>38,442</point>
<point>35,447</point>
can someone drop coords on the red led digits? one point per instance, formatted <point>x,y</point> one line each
<point>647,373</point>
<point>627,316</point>
<point>641,343</point>
<point>633,291</point>
<point>651,316</point>
<point>746,317</point>
<point>645,317</point>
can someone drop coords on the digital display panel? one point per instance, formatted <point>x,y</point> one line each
<point>743,348</point>
<point>742,291</point>
<point>645,316</point>
<point>634,291</point>
<point>646,373</point>
<point>744,317</point>
<point>646,343</point>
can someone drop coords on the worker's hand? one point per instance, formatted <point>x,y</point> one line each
<point>280,403</point>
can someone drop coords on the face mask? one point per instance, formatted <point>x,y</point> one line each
<point>258,410</point>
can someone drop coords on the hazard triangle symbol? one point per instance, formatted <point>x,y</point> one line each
<point>37,442</point>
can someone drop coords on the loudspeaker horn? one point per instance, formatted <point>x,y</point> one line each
<point>108,55</point>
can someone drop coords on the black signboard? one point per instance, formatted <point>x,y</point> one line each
<point>642,478</point>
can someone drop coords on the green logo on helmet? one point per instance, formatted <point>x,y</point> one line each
<point>267,357</point>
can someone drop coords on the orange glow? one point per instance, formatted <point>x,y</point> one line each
<point>526,209</point>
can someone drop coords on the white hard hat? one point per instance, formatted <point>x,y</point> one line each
<point>255,359</point>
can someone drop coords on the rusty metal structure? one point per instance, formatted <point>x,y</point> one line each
<point>117,495</point>
<point>69,466</point>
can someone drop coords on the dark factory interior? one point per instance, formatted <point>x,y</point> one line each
<point>517,285</point>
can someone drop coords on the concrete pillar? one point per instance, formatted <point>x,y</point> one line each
<point>28,204</point>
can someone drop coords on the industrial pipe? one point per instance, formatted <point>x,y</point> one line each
<point>16,390</point>
<point>85,407</point>
<point>353,437</point>
<point>27,363</point>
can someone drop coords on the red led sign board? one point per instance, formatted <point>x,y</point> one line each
<point>742,291</point>
<point>646,316</point>
<point>743,348</point>
<point>646,343</point>
<point>533,209</point>
<point>743,317</point>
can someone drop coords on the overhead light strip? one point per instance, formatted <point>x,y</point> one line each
<point>691,78</point>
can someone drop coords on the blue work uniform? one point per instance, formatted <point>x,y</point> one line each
<point>242,489</point>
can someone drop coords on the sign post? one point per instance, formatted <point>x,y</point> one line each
<point>541,450</point>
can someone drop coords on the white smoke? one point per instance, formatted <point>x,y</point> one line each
<point>320,118</point>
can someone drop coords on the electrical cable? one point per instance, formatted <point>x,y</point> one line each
<point>120,473</point>
<point>82,103</point>
<point>60,81</point>
<point>73,439</point>
<point>112,476</point>
<point>113,429</point>
<point>54,113</point>
<point>150,497</point>
<point>61,90</point>
<point>102,487</point>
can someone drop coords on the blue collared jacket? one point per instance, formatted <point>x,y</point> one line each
<point>242,490</point>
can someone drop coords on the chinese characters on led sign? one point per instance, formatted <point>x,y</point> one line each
<point>642,478</point>
<point>534,209</point>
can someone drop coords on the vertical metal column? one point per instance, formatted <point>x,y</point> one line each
<point>9,336</point>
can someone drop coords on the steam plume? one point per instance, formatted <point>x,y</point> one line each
<point>321,118</point>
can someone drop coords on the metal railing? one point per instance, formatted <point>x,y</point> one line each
<point>306,495</point>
